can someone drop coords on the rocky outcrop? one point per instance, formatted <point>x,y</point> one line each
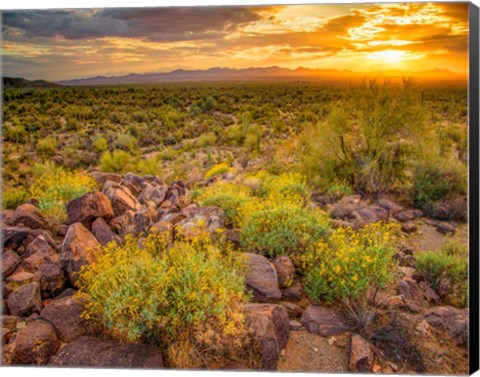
<point>88,207</point>
<point>120,197</point>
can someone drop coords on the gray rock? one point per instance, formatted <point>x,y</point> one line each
<point>324,321</point>
<point>262,279</point>
<point>25,300</point>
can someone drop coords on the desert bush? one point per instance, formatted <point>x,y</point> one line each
<point>126,142</point>
<point>14,133</point>
<point>338,190</point>
<point>206,139</point>
<point>100,144</point>
<point>47,146</point>
<point>346,265</point>
<point>116,162</point>
<point>56,187</point>
<point>446,269</point>
<point>13,197</point>
<point>218,169</point>
<point>184,296</point>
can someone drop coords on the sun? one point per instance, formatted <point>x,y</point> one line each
<point>388,56</point>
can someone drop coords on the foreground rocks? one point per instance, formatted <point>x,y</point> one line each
<point>324,321</point>
<point>451,320</point>
<point>88,207</point>
<point>262,279</point>
<point>361,355</point>
<point>36,343</point>
<point>91,352</point>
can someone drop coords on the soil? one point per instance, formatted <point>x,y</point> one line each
<point>428,238</point>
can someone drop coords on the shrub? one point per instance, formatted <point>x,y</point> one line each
<point>47,146</point>
<point>116,162</point>
<point>206,139</point>
<point>100,144</point>
<point>126,142</point>
<point>349,263</point>
<point>184,295</point>
<point>14,133</point>
<point>230,204</point>
<point>446,270</point>
<point>338,190</point>
<point>217,170</point>
<point>283,231</point>
<point>13,197</point>
<point>55,188</point>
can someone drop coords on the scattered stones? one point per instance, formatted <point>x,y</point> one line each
<point>91,352</point>
<point>10,261</point>
<point>324,321</point>
<point>285,270</point>
<point>103,233</point>
<point>88,207</point>
<point>36,343</point>
<point>262,279</point>
<point>76,249</point>
<point>25,300</point>
<point>270,329</point>
<point>451,320</point>
<point>361,355</point>
<point>28,215</point>
<point>65,316</point>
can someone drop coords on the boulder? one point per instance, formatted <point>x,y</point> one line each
<point>451,320</point>
<point>77,249</point>
<point>20,278</point>
<point>65,316</point>
<point>36,343</point>
<point>270,328</point>
<point>406,216</point>
<point>103,233</point>
<point>88,207</point>
<point>6,217</point>
<point>361,355</point>
<point>392,207</point>
<point>101,178</point>
<point>123,224</point>
<point>324,321</point>
<point>39,244</point>
<point>28,215</point>
<point>153,194</point>
<point>42,256</point>
<point>285,270</point>
<point>143,218</point>
<point>120,197</point>
<point>25,300</point>
<point>10,261</point>
<point>262,279</point>
<point>51,279</point>
<point>91,352</point>
<point>293,292</point>
<point>14,236</point>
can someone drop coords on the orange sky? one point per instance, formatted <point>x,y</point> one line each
<point>64,44</point>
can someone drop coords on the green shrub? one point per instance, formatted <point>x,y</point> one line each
<point>116,162</point>
<point>126,142</point>
<point>446,270</point>
<point>338,190</point>
<point>349,263</point>
<point>13,197</point>
<point>283,231</point>
<point>100,144</point>
<point>14,133</point>
<point>47,146</point>
<point>189,291</point>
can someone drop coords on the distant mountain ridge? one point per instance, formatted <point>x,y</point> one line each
<point>263,74</point>
<point>20,82</point>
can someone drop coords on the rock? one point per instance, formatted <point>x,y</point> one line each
<point>173,218</point>
<point>103,233</point>
<point>6,216</point>
<point>343,224</point>
<point>451,320</point>
<point>406,216</point>
<point>295,325</point>
<point>361,355</point>
<point>21,278</point>
<point>10,261</point>
<point>65,316</point>
<point>101,178</point>
<point>161,227</point>
<point>36,259</point>
<point>422,328</point>
<point>88,207</point>
<point>123,224</point>
<point>15,237</point>
<point>25,300</point>
<point>285,270</point>
<point>412,294</point>
<point>262,279</point>
<point>344,211</point>
<point>323,321</point>
<point>456,209</point>
<point>233,237</point>
<point>29,216</point>
<point>36,343</point>
<point>153,194</point>
<point>390,206</point>
<point>91,352</point>
<point>445,228</point>
<point>212,217</point>
<point>40,244</point>
<point>120,197</point>
<point>51,279</point>
<point>270,329</point>
<point>292,293</point>
<point>294,311</point>
<point>409,227</point>
<point>77,249</point>
<point>142,219</point>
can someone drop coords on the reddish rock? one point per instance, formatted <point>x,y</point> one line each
<point>36,343</point>
<point>103,233</point>
<point>406,216</point>
<point>153,194</point>
<point>51,279</point>
<point>10,261</point>
<point>262,279</point>
<point>91,352</point>
<point>451,320</point>
<point>6,216</point>
<point>21,278</point>
<point>123,224</point>
<point>409,227</point>
<point>293,292</point>
<point>270,328</point>
<point>42,256</point>
<point>295,325</point>
<point>293,310</point>
<point>29,216</point>
<point>120,197</point>
<point>445,228</point>
<point>39,244</point>
<point>101,178</point>
<point>88,207</point>
<point>324,321</point>
<point>361,355</point>
<point>65,316</point>
<point>15,237</point>
<point>25,300</point>
<point>285,270</point>
<point>142,219</point>
<point>390,206</point>
<point>77,249</point>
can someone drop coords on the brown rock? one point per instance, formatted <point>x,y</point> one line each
<point>120,197</point>
<point>15,237</point>
<point>285,270</point>
<point>211,216</point>
<point>25,300</point>
<point>42,256</point>
<point>293,292</point>
<point>406,216</point>
<point>51,279</point>
<point>153,194</point>
<point>29,216</point>
<point>293,310</point>
<point>10,261</point>
<point>262,279</point>
<point>65,316</point>
<point>324,321</point>
<point>88,207</point>
<point>123,224</point>
<point>452,320</point>
<point>103,233</point>
<point>361,355</point>
<point>21,278</point>
<point>39,244</point>
<point>295,325</point>
<point>36,343</point>
<point>101,178</point>
<point>390,206</point>
<point>77,249</point>
<point>91,352</point>
<point>409,227</point>
<point>270,329</point>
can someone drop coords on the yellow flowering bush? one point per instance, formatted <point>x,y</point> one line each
<point>56,187</point>
<point>349,263</point>
<point>217,170</point>
<point>161,292</point>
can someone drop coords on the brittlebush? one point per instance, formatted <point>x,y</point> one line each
<point>349,263</point>
<point>189,291</point>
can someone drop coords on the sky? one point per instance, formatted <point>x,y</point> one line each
<point>75,43</point>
